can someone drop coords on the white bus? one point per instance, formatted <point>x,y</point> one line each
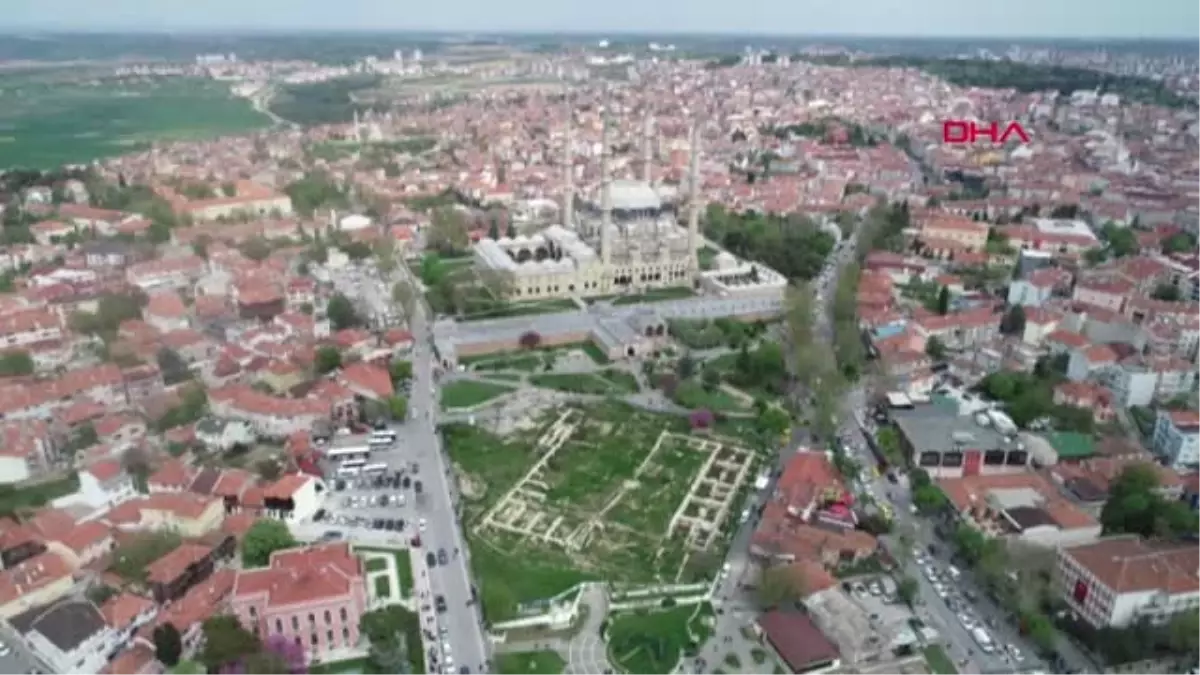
<point>379,443</point>
<point>384,434</point>
<point>349,452</point>
<point>348,471</point>
<point>353,464</point>
<point>374,468</point>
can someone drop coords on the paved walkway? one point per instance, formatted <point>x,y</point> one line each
<point>585,652</point>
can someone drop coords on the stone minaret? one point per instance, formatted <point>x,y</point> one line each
<point>568,212</point>
<point>694,197</point>
<point>605,199</point>
<point>647,148</point>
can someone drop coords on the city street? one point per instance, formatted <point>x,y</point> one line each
<point>465,636</point>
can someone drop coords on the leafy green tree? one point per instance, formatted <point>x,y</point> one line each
<point>255,248</point>
<point>780,586</point>
<point>357,250</point>
<point>188,668</point>
<point>327,359</point>
<point>793,245</point>
<point>685,368</point>
<point>341,312</point>
<point>168,645</point>
<point>448,232</point>
<point>943,301</point>
<point>1134,506</point>
<point>225,642</point>
<point>16,363</point>
<point>401,370</point>
<point>398,407</point>
<point>1167,292</point>
<point>1121,241</point>
<point>174,369</point>
<point>935,348</point>
<point>1013,322</point>
<point>772,421</point>
<point>1180,242</point>
<point>390,631</point>
<point>263,538</point>
<point>315,191</point>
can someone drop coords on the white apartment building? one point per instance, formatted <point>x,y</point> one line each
<point>1116,581</point>
<point>1176,439</point>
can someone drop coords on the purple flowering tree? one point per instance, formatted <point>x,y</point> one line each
<point>701,418</point>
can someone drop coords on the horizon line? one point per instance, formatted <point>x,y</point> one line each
<point>214,31</point>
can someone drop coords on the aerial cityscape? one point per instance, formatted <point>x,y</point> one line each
<point>329,348</point>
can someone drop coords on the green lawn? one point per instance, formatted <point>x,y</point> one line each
<point>656,295</point>
<point>467,394</point>
<point>523,309</point>
<point>603,383</point>
<point>692,394</point>
<point>403,566</point>
<point>383,586</point>
<point>511,573</point>
<point>375,564</point>
<point>937,660</point>
<point>650,642</point>
<point>48,121</point>
<point>345,667</point>
<point>530,663</point>
<point>33,495</point>
<point>595,352</point>
<point>524,361</point>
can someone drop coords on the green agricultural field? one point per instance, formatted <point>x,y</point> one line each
<point>46,123</point>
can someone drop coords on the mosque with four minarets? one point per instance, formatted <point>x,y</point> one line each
<point>628,240</point>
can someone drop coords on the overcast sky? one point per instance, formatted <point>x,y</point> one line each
<point>918,18</point>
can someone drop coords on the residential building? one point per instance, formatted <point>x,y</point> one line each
<point>1020,506</point>
<point>810,517</point>
<point>1176,439</point>
<point>27,449</point>
<point>1118,580</point>
<point>173,575</point>
<point>224,435</point>
<point>961,330</point>
<point>39,580</point>
<point>294,497</point>
<point>190,515</point>
<point>69,634</point>
<point>105,483</point>
<point>1089,396</point>
<point>204,600</point>
<point>798,641</point>
<point>125,613</point>
<point>314,596</point>
<point>269,416</point>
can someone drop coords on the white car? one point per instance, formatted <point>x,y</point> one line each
<point>421,525</point>
<point>1016,653</point>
